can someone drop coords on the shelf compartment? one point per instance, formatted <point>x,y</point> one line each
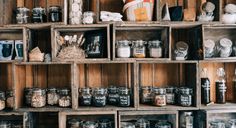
<point>13,117</point>
<point>64,117</point>
<point>130,116</point>
<point>88,31</point>
<point>189,34</point>
<point>41,76</point>
<point>168,74</point>
<point>146,32</point>
<point>230,93</point>
<point>95,75</point>
<point>42,119</point>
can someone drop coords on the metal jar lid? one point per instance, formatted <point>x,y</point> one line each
<point>123,42</point>
<point>160,91</point>
<point>154,43</point>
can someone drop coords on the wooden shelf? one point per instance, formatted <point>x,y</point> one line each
<point>227,106</point>
<point>165,108</point>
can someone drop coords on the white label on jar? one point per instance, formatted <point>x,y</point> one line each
<point>123,52</point>
<point>139,52</point>
<point>155,52</point>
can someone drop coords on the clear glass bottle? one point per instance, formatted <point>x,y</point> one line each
<point>159,97</point>
<point>225,47</point>
<point>124,97</point>
<point>170,95</point>
<point>85,98</point>
<point>205,87</point>
<point>52,96</point>
<point>89,17</point>
<point>139,49</point>
<point>38,98</point>
<point>155,49</point>
<point>220,86</point>
<point>9,99</point>
<point>2,100</point>
<point>186,120</point>
<point>146,95</point>
<point>142,123</point>
<point>181,50</point>
<point>65,97</point>
<point>55,14</point>
<point>185,96</point>
<point>113,95</point>
<point>123,49</point>
<point>99,97</point>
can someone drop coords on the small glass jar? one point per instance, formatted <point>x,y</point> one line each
<point>55,14</point>
<point>123,49</point>
<point>124,98</point>
<point>38,98</point>
<point>163,124</point>
<point>5,124</point>
<point>185,96</point>
<point>113,95</point>
<point>155,49</point>
<point>139,49</point>
<point>181,50</point>
<point>89,124</point>
<point>89,17</point>
<point>105,123</point>
<point>65,98</point>
<point>74,123</point>
<point>186,120</point>
<point>231,123</point>
<point>217,124</point>
<point>159,97</point>
<point>142,123</point>
<point>22,15</point>
<point>146,95</point>
<point>52,96</point>
<point>209,48</point>
<point>225,47</point>
<point>170,95</point>
<point>99,97</point>
<point>2,100</point>
<point>85,98</point>
<point>39,15</point>
<point>9,99</point>
<point>28,94</point>
<point>127,125</point>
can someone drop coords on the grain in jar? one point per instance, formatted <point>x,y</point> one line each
<point>9,99</point>
<point>65,98</point>
<point>2,100</point>
<point>139,49</point>
<point>38,98</point>
<point>52,96</point>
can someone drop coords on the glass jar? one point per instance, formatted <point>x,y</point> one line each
<point>170,95</point>
<point>159,96</point>
<point>225,47</point>
<point>185,96</point>
<point>139,49</point>
<point>186,120</point>
<point>89,17</point>
<point>181,50</point>
<point>74,123</point>
<point>55,14</point>
<point>221,87</point>
<point>5,124</point>
<point>146,95</point>
<point>217,124</point>
<point>231,123</point>
<point>38,98</point>
<point>89,124</point>
<point>113,95</point>
<point>105,123</point>
<point>127,125</point>
<point>142,123</point>
<point>28,94</point>
<point>9,99</point>
<point>52,96</point>
<point>99,97</point>
<point>163,124</point>
<point>39,15</point>
<point>22,15</point>
<point>155,49</point>
<point>124,98</point>
<point>2,100</point>
<point>123,49</point>
<point>65,98</point>
<point>85,98</point>
<point>209,48</point>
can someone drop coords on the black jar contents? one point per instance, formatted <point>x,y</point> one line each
<point>85,98</point>
<point>39,15</point>
<point>170,95</point>
<point>113,95</point>
<point>55,14</point>
<point>99,97</point>
<point>205,87</point>
<point>124,100</point>
<point>185,96</point>
<point>28,94</point>
<point>220,87</point>
<point>146,95</point>
<point>105,123</point>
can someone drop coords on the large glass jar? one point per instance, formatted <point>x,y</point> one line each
<point>22,15</point>
<point>55,14</point>
<point>146,95</point>
<point>159,97</point>
<point>123,49</point>
<point>139,49</point>
<point>39,15</point>
<point>170,95</point>
<point>163,124</point>
<point>2,100</point>
<point>127,125</point>
<point>28,95</point>
<point>217,124</point>
<point>186,120</point>
<point>209,48</point>
<point>89,17</point>
<point>221,87</point>
<point>89,124</point>
<point>5,124</point>
<point>155,49</point>
<point>85,98</point>
<point>181,50</point>
<point>99,97</point>
<point>9,99</point>
<point>113,95</point>
<point>225,47</point>
<point>142,123</point>
<point>38,98</point>
<point>52,96</point>
<point>185,96</point>
<point>105,123</point>
<point>65,98</point>
<point>124,98</point>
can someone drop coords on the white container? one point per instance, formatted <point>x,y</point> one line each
<point>155,49</point>
<point>229,18</point>
<point>123,49</point>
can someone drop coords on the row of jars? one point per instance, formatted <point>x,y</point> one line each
<point>101,123</point>
<point>139,48</point>
<point>38,15</point>
<point>223,124</point>
<point>167,96</point>
<point>11,124</point>
<point>143,123</point>
<point>99,97</point>
<point>37,97</point>
<point>6,99</point>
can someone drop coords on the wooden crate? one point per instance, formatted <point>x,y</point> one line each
<point>104,74</point>
<point>78,30</point>
<point>212,67</point>
<point>146,32</point>
<point>190,34</point>
<point>42,76</point>
<point>13,117</point>
<point>168,74</point>
<point>217,32</point>
<point>127,116</point>
<point>87,116</point>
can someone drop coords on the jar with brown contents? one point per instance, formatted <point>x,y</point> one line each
<point>9,99</point>
<point>159,96</point>
<point>139,49</point>
<point>65,98</point>
<point>38,98</point>
<point>52,96</point>
<point>2,100</point>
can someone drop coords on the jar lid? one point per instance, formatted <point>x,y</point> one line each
<point>9,93</point>
<point>24,9</point>
<point>170,89</point>
<point>112,89</point>
<point>52,89</point>
<point>127,125</point>
<point>124,42</point>
<point>38,10</point>
<point>155,42</point>
<point>188,113</point>
<point>2,94</point>
<point>124,90</point>
<point>105,123</point>
<point>185,90</point>
<point>139,42</point>
<point>85,90</point>
<point>159,90</point>
<point>182,46</point>
<point>64,91</point>
<point>146,87</point>
<point>100,90</point>
<point>55,7</point>
<point>39,90</point>
<point>74,122</point>
<point>89,124</point>
<point>226,43</point>
<point>209,44</point>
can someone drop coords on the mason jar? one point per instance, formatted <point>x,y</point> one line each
<point>9,99</point>
<point>124,97</point>
<point>123,49</point>
<point>159,97</point>
<point>39,15</point>
<point>89,17</point>
<point>225,47</point>
<point>209,48</point>
<point>113,95</point>
<point>22,15</point>
<point>146,95</point>
<point>38,98</point>
<point>155,49</point>
<point>186,120</point>
<point>170,95</point>
<point>52,96</point>
<point>105,123</point>
<point>99,97</point>
<point>142,123</point>
<point>2,100</point>
<point>5,124</point>
<point>28,94</point>
<point>139,49</point>
<point>163,124</point>
<point>181,50</point>
<point>185,96</point>
<point>65,97</point>
<point>85,97</point>
<point>55,14</point>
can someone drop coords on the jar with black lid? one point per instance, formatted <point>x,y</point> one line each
<point>99,97</point>
<point>9,99</point>
<point>159,97</point>
<point>185,96</point>
<point>163,124</point>
<point>27,96</point>
<point>65,97</point>
<point>38,98</point>
<point>52,96</point>
<point>2,100</point>
<point>170,95</point>
<point>105,123</point>
<point>85,98</point>
<point>124,98</point>
<point>113,95</point>
<point>146,95</point>
<point>55,14</point>
<point>221,87</point>
<point>39,15</point>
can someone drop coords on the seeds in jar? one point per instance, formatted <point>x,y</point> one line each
<point>52,96</point>
<point>38,98</point>
<point>65,101</point>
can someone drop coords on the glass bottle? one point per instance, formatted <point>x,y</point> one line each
<point>124,98</point>
<point>170,95</point>
<point>105,123</point>
<point>28,95</point>
<point>205,87</point>
<point>139,49</point>
<point>113,95</point>
<point>2,100</point>
<point>186,120</point>
<point>146,95</point>
<point>99,97</point>
<point>163,124</point>
<point>89,124</point>
<point>127,125</point>
<point>220,87</point>
<point>85,98</point>
<point>217,124</point>
<point>39,15</point>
